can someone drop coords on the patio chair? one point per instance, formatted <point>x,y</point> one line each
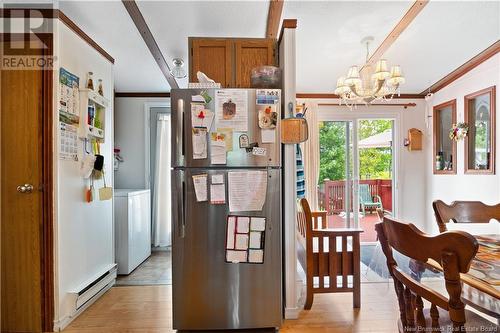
<point>366,199</point>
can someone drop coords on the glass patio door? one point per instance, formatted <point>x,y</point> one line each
<point>356,171</point>
<point>338,164</point>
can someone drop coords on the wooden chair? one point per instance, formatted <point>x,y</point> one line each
<point>366,199</point>
<point>321,258</point>
<point>454,250</point>
<point>464,212</point>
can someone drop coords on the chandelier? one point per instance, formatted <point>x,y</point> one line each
<point>365,86</point>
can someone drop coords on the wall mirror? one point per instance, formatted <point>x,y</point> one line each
<point>479,114</point>
<point>445,149</point>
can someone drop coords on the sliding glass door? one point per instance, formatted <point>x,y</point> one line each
<point>337,167</point>
<point>356,172</point>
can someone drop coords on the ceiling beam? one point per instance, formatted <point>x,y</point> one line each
<point>401,26</point>
<point>274,18</point>
<point>140,23</point>
<point>465,68</point>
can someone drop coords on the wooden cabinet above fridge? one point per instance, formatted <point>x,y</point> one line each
<point>229,60</point>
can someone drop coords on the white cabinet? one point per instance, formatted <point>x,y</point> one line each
<point>132,228</point>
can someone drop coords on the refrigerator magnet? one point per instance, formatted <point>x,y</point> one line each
<point>244,141</point>
<point>259,151</point>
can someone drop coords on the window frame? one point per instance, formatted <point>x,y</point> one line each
<point>492,92</point>
<point>436,132</point>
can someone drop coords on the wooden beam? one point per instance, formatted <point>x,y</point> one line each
<point>333,96</point>
<point>410,15</point>
<point>274,18</point>
<point>465,68</point>
<point>142,94</point>
<point>140,23</point>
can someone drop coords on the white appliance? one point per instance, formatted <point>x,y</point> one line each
<point>132,228</point>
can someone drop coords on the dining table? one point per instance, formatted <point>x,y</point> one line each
<point>480,285</point>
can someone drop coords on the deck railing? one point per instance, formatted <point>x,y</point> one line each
<point>331,194</point>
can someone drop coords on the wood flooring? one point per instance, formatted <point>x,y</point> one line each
<point>147,309</point>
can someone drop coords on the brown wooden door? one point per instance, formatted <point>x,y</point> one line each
<point>250,54</point>
<point>214,58</point>
<point>21,154</point>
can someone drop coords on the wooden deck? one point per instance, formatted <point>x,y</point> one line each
<point>367,223</point>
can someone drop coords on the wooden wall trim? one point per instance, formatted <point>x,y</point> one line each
<point>47,229</point>
<point>287,24</point>
<point>333,96</point>
<point>274,18</point>
<point>143,28</point>
<point>142,94</point>
<point>76,29</point>
<point>465,68</point>
<point>56,14</point>
<point>403,105</point>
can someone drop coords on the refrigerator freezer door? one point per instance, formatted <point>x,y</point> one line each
<point>210,294</point>
<point>182,148</point>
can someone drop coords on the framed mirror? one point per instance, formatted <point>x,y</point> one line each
<point>445,149</point>
<point>479,114</point>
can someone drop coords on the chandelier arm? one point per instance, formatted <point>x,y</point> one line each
<point>380,83</point>
<point>353,89</point>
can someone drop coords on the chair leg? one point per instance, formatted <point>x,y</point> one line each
<point>309,300</point>
<point>356,297</point>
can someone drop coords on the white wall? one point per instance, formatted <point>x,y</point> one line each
<point>83,231</point>
<point>410,165</point>
<point>484,188</point>
<point>130,137</point>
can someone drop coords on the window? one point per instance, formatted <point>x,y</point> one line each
<point>480,141</point>
<point>445,149</point>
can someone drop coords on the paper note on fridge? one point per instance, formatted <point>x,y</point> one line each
<point>218,194</point>
<point>201,117</point>
<point>236,256</point>
<point>199,143</point>
<point>218,179</point>
<point>200,187</point>
<point>268,135</point>
<point>231,107</point>
<point>218,148</point>
<point>247,190</point>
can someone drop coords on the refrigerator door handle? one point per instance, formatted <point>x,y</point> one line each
<point>182,220</point>
<point>180,107</point>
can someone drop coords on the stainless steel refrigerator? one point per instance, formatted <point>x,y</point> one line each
<point>210,293</point>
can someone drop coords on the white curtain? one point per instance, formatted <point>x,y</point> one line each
<point>310,155</point>
<point>162,210</point>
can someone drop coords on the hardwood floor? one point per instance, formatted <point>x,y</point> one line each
<point>155,270</point>
<point>141,309</point>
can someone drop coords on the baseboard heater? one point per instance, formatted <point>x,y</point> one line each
<point>93,287</point>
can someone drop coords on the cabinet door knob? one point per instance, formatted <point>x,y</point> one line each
<point>26,188</point>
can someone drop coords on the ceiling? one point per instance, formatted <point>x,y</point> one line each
<point>441,38</point>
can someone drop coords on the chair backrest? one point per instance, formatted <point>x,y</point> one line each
<point>304,228</point>
<point>454,250</point>
<point>364,193</point>
<point>304,218</point>
<point>464,212</point>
